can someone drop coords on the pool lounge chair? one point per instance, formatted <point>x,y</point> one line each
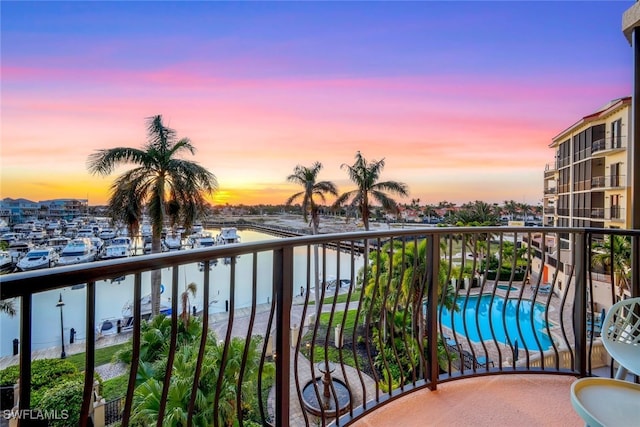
<point>544,289</point>
<point>471,362</point>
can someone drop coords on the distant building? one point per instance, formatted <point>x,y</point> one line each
<point>65,208</point>
<point>16,211</point>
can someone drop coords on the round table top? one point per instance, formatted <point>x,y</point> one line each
<point>606,402</point>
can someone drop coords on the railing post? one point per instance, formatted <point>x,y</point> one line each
<point>25,352</point>
<point>283,281</point>
<point>433,266</point>
<point>580,303</point>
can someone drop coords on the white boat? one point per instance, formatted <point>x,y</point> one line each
<point>119,247</point>
<point>115,251</point>
<point>78,250</point>
<point>98,244</point>
<point>10,237</point>
<point>6,263</point>
<point>202,240</point>
<point>58,243</point>
<point>107,234</point>
<point>173,241</point>
<point>111,326</point>
<point>38,258</point>
<point>229,235</point>
<point>122,240</point>
<point>85,232</point>
<point>145,229</point>
<point>18,249</point>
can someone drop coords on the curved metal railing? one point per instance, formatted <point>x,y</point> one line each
<point>401,310</point>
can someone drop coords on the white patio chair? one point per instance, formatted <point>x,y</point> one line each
<point>621,335</point>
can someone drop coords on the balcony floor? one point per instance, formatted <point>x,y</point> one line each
<point>500,400</point>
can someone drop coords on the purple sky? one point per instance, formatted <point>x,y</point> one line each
<point>460,98</point>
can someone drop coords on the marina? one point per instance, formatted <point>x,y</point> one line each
<point>114,296</point>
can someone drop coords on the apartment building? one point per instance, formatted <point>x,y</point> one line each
<point>589,184</point>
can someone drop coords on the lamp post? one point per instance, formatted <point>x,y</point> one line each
<point>61,304</point>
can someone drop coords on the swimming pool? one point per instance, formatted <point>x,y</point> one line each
<point>512,316</point>
<point>507,287</point>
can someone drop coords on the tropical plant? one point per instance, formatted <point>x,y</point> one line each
<point>394,292</point>
<point>168,187</point>
<point>366,175</point>
<point>185,315</point>
<point>614,255</point>
<point>307,177</point>
<point>227,379</point>
<point>8,306</point>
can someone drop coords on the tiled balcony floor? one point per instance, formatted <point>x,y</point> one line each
<point>499,400</point>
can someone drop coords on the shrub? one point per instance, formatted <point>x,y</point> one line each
<point>64,400</point>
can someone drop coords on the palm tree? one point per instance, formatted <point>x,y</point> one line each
<point>365,175</point>
<point>185,315</point>
<point>166,185</point>
<point>614,254</point>
<point>307,178</point>
<point>7,306</point>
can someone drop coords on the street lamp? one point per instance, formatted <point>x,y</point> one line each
<point>61,304</point>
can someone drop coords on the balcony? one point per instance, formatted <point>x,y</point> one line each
<point>604,145</point>
<point>385,339</point>
<point>609,181</point>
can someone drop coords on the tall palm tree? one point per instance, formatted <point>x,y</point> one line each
<point>365,175</point>
<point>166,185</point>
<point>307,177</point>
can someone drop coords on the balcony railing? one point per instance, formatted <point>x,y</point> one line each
<point>609,181</point>
<point>402,310</point>
<point>607,144</point>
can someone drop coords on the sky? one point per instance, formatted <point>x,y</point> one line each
<point>461,99</point>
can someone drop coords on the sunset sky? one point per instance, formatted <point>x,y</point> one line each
<point>460,98</point>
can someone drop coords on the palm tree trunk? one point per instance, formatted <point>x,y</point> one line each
<point>156,278</point>
<point>316,272</point>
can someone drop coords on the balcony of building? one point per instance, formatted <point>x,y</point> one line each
<point>441,326</point>
<point>608,182</point>
<point>606,146</point>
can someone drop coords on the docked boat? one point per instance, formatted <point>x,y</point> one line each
<point>202,240</point>
<point>173,241</point>
<point>107,234</point>
<point>78,250</point>
<point>85,232</point>
<point>229,235</point>
<point>98,244</point>
<point>18,249</point>
<point>58,243</point>
<point>38,258</point>
<point>113,251</point>
<point>113,326</point>
<point>6,263</point>
<point>37,236</point>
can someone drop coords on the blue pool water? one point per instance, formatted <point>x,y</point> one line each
<point>512,316</point>
<point>507,287</point>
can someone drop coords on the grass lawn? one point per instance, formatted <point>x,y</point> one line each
<point>115,387</point>
<point>355,297</point>
<point>333,354</point>
<point>103,356</point>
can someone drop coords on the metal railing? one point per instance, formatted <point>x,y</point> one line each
<point>402,310</point>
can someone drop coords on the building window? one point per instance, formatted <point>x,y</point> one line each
<point>616,134</point>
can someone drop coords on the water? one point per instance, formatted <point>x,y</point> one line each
<point>513,317</point>
<point>111,297</point>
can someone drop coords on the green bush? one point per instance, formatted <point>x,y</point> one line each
<point>64,400</point>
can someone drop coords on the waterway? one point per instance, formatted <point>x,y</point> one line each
<point>111,297</point>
